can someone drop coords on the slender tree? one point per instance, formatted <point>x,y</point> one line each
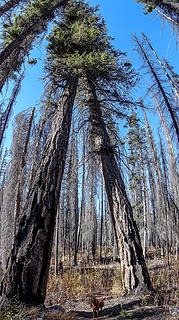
<point>168,9</point>
<point>82,205</point>
<point>136,141</point>
<point>174,87</point>
<point>167,102</point>
<point>6,114</point>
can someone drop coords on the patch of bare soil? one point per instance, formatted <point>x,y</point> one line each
<point>117,308</point>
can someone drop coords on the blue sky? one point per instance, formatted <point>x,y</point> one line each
<point>123,17</point>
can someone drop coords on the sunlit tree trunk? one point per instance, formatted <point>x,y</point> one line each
<point>163,67</point>
<point>57,242</point>
<point>134,271</point>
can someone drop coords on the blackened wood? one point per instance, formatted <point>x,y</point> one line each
<point>27,273</point>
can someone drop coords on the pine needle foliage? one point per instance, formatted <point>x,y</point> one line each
<point>79,45</point>
<point>16,24</point>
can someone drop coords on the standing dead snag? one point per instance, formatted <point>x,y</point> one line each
<point>27,272</point>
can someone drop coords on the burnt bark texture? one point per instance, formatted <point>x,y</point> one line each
<point>134,271</point>
<point>9,5</point>
<point>36,26</point>
<point>27,271</point>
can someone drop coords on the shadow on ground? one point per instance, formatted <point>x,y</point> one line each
<point>128,311</point>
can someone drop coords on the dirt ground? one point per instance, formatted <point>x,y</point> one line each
<point>117,308</point>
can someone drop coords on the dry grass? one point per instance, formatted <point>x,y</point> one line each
<point>77,284</point>
<point>82,283</point>
<point>165,281</point>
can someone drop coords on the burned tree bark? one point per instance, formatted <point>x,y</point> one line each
<point>27,272</point>
<point>134,271</point>
<point>9,5</point>
<point>36,26</point>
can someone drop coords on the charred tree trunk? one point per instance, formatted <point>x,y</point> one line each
<point>102,221</point>
<point>13,55</point>
<point>18,201</point>
<point>160,87</point>
<point>134,271</point>
<point>36,25</point>
<point>27,272</point>
<point>162,65</point>
<point>9,5</point>
<point>7,113</point>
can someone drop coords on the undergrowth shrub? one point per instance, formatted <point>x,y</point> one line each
<point>165,281</point>
<point>11,310</point>
<point>84,282</point>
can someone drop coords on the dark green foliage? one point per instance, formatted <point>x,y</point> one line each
<point>149,5</point>
<point>17,23</point>
<point>80,44</point>
<point>20,31</point>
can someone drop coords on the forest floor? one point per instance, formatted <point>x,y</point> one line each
<point>68,294</point>
<point>116,308</point>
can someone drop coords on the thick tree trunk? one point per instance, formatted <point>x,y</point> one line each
<point>13,55</point>
<point>9,5</point>
<point>27,272</point>
<point>134,271</point>
<point>14,60</point>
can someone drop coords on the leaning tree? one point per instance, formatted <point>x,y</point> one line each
<point>79,48</point>
<point>168,9</point>
<point>81,42</point>
<point>20,31</point>
<point>27,271</point>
